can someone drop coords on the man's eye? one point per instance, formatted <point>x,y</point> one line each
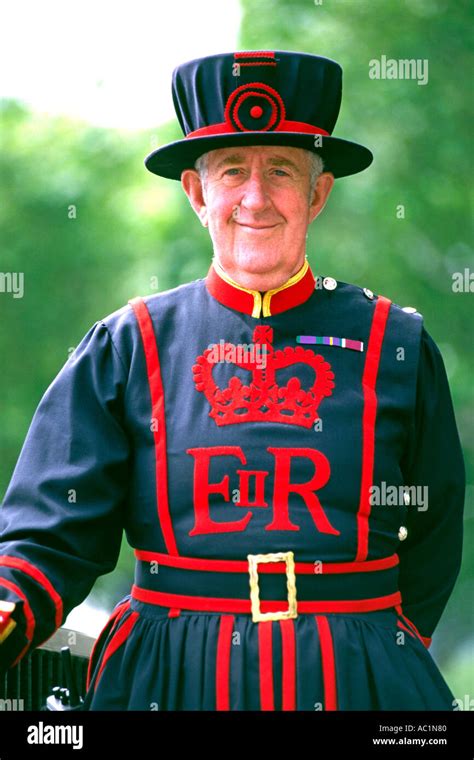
<point>234,170</point>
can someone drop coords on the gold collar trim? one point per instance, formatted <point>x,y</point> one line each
<point>260,304</point>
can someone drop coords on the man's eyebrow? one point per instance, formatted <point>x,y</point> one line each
<point>238,158</point>
<point>233,158</point>
<point>282,161</point>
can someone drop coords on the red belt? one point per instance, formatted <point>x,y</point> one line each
<point>175,573</point>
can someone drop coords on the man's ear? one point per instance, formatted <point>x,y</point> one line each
<point>192,186</point>
<point>324,185</point>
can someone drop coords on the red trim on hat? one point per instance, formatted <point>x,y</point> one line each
<point>284,126</point>
<point>242,566</point>
<point>260,90</point>
<point>328,663</point>
<point>29,569</point>
<point>287,629</point>
<point>301,126</point>
<point>265,662</point>
<point>158,413</point>
<point>258,63</point>
<point>225,604</point>
<point>244,96</point>
<point>224,643</point>
<point>369,380</point>
<point>256,54</point>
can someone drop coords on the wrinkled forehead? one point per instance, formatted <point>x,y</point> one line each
<point>272,155</point>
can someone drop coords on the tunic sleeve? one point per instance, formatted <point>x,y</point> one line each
<point>430,557</point>
<point>61,521</point>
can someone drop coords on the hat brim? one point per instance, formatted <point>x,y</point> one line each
<point>341,157</point>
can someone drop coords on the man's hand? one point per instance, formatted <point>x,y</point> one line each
<point>7,624</point>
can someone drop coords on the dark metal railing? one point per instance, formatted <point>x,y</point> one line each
<point>29,684</point>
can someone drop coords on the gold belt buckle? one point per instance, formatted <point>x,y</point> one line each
<point>254,560</point>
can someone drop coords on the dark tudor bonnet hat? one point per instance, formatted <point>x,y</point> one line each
<point>258,98</point>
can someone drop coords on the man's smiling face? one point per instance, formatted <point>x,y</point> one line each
<point>256,203</point>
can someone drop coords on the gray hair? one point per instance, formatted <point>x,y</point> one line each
<point>316,167</point>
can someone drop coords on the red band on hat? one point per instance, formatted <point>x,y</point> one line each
<point>255,54</point>
<point>258,63</point>
<point>284,126</point>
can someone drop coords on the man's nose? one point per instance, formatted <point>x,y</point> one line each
<point>255,196</point>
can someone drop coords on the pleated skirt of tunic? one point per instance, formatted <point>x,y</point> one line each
<point>152,658</point>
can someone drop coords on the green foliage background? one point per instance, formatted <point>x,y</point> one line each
<point>132,227</point>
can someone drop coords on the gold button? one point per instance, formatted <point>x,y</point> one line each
<point>402,533</point>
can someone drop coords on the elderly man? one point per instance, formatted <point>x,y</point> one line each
<point>261,434</point>
<point>258,204</point>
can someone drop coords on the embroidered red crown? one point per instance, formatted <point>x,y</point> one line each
<point>263,400</point>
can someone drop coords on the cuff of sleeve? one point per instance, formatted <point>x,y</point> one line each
<point>13,641</point>
<point>426,640</point>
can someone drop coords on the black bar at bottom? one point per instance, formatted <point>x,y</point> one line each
<point>214,734</point>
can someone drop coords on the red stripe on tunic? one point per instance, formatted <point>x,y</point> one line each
<point>265,656</point>
<point>121,635</point>
<point>404,628</point>
<point>288,701</point>
<point>158,413</point>
<point>115,616</point>
<point>369,379</point>
<point>26,567</point>
<point>425,640</point>
<point>328,664</point>
<point>224,643</point>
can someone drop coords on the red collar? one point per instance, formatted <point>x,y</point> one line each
<point>293,292</point>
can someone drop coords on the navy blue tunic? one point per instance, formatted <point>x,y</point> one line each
<point>211,423</point>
